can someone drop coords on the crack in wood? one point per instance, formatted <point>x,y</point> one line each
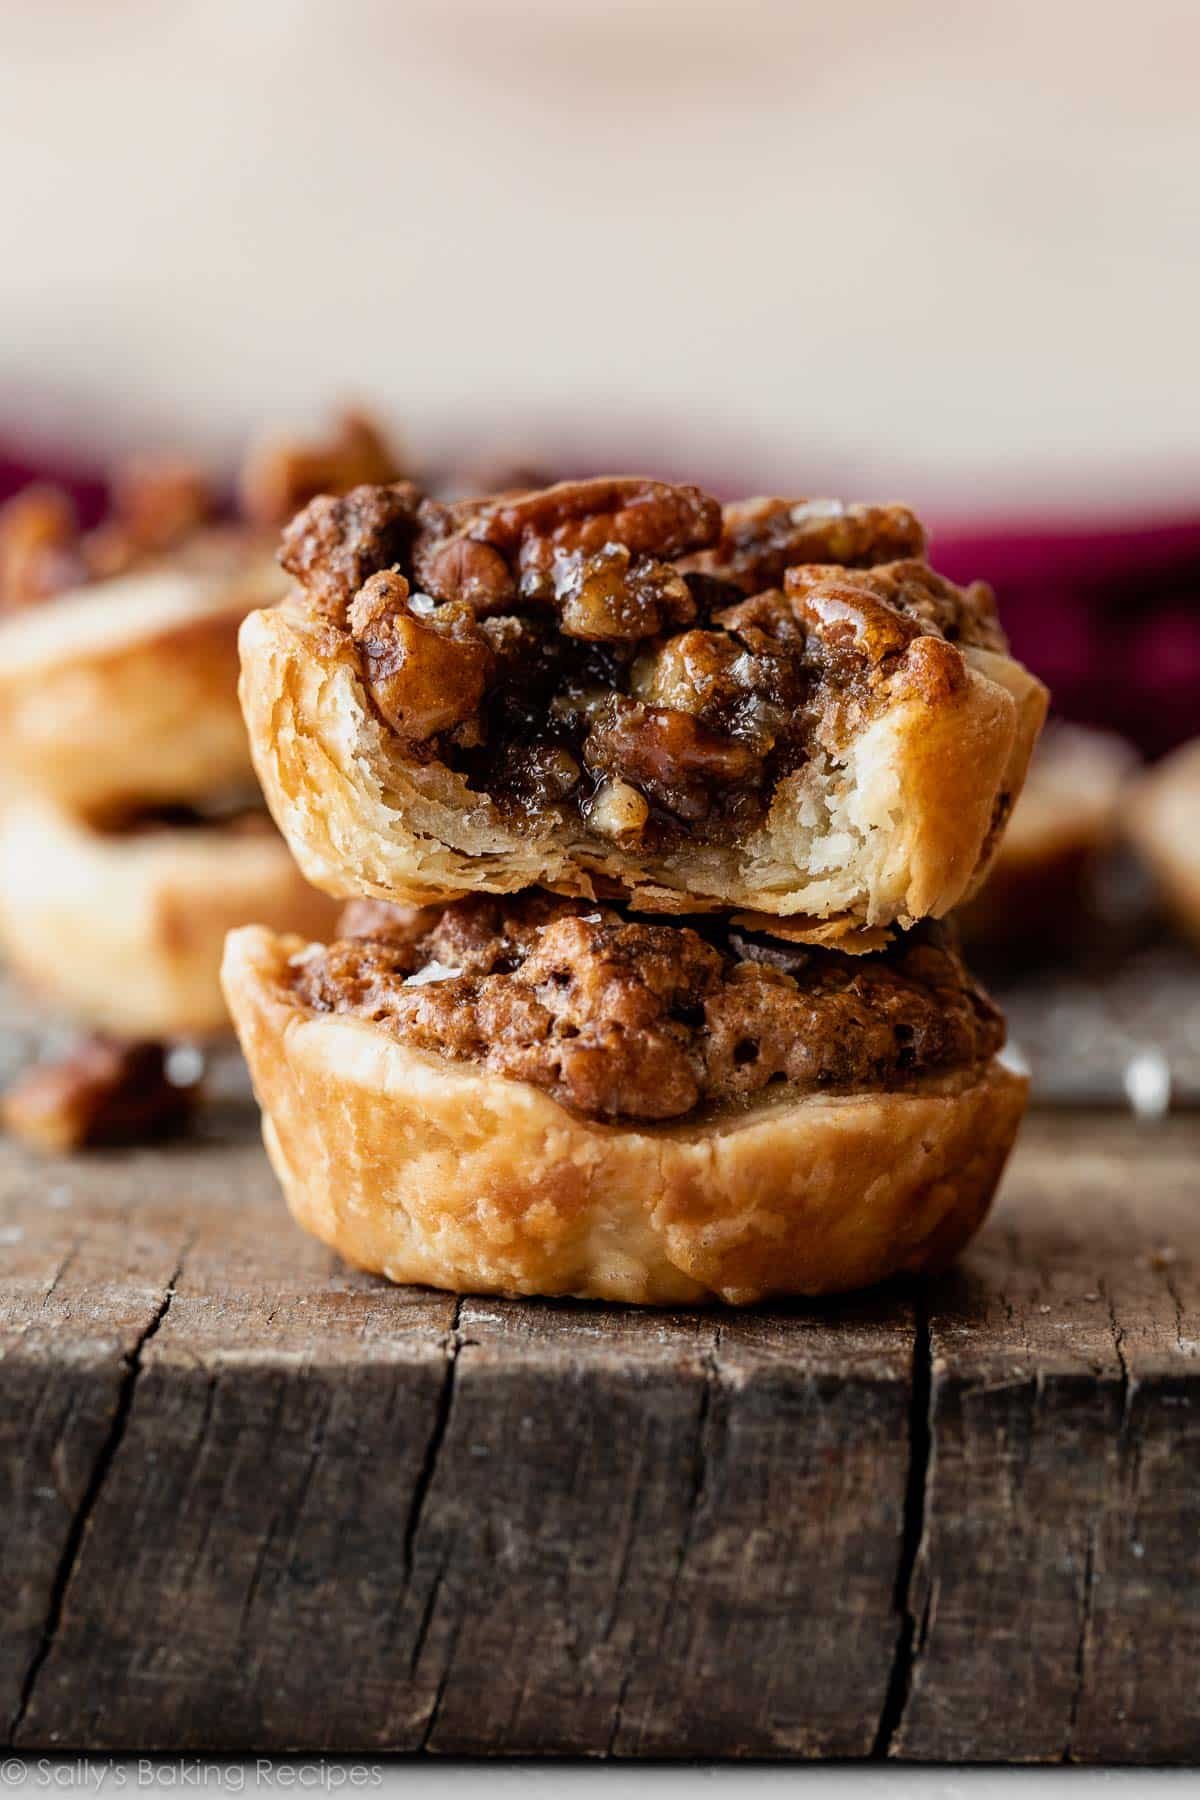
<point>1085,1630</point>
<point>1177,1302</point>
<point>910,1634</point>
<point>433,1447</point>
<point>289,1513</point>
<point>440,1694</point>
<point>73,1543</point>
<point>1118,1338</point>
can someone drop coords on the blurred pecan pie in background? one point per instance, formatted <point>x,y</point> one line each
<point>132,832</point>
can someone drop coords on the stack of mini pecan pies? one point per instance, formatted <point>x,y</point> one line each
<point>132,831</point>
<point>646,810</point>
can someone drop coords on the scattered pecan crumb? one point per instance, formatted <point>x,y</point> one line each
<point>105,1091</point>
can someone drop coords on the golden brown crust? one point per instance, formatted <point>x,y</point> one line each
<point>125,933</point>
<point>430,1171</point>
<point>1162,819</point>
<point>898,831</point>
<point>127,690</point>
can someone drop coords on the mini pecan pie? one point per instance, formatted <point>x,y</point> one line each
<point>1043,899</point>
<point>611,687</point>
<point>1162,818</point>
<point>545,1095</point>
<point>120,923</point>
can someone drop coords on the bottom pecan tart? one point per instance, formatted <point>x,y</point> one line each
<point>538,1095</point>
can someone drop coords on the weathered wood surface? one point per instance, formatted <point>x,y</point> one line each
<point>252,1500</point>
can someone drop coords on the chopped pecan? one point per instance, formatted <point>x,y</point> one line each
<point>534,546</point>
<point>882,610</point>
<point>426,674</point>
<point>451,563</point>
<point>669,755</point>
<point>762,538</point>
<point>613,595</point>
<point>850,617</point>
<point>104,1092</point>
<point>279,475</point>
<point>336,544</point>
<point>749,688</point>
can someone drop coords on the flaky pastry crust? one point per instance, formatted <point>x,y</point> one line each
<point>126,690</point>
<point>425,1170</point>
<point>125,932</point>
<point>901,831</point>
<point>1163,821</point>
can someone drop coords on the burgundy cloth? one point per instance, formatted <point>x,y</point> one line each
<point>85,487</point>
<point>1107,614</point>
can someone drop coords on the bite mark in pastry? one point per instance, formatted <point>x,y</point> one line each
<point>539,1096</point>
<point>591,688</point>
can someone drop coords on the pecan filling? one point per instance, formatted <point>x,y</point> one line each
<point>619,1018</point>
<point>621,650</point>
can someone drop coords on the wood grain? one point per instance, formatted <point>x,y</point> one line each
<point>251,1500</point>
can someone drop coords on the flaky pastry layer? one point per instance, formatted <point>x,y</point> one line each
<point>902,830</point>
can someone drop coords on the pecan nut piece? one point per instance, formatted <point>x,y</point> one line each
<point>337,543</point>
<point>106,1091</point>
<point>425,674</point>
<point>883,610</point>
<point>762,538</point>
<point>670,756</point>
<point>542,547</point>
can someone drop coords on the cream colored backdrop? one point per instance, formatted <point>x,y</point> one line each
<point>949,248</point>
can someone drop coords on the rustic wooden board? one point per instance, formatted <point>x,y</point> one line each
<point>252,1500</point>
